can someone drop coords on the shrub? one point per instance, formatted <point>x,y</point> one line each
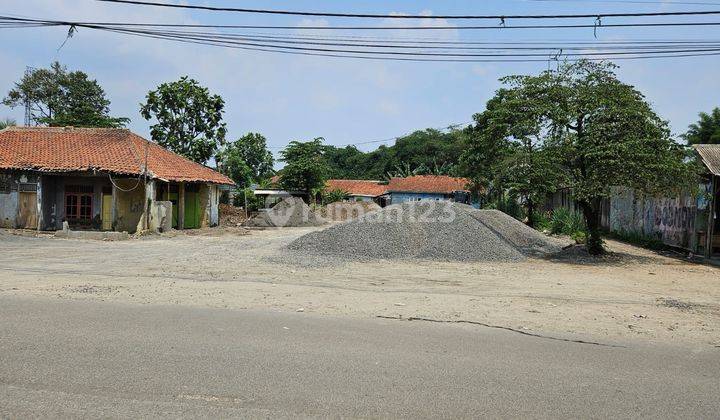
<point>253,202</point>
<point>334,196</point>
<point>566,222</point>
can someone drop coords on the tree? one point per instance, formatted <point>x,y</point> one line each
<point>7,122</point>
<point>602,131</point>
<point>233,164</point>
<point>508,151</point>
<point>58,97</point>
<point>189,119</point>
<point>252,148</point>
<point>706,130</point>
<point>305,166</point>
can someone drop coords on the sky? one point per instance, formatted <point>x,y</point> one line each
<point>289,97</point>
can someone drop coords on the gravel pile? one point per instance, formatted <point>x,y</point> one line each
<point>432,230</point>
<point>290,212</point>
<point>342,211</point>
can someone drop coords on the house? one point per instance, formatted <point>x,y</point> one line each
<point>429,187</point>
<point>101,179</point>
<point>359,190</point>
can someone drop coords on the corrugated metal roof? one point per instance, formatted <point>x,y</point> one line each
<point>710,154</point>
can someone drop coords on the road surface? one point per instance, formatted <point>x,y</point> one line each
<point>97,359</point>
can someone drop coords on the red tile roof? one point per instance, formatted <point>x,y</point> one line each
<point>357,187</point>
<point>428,184</point>
<point>118,151</point>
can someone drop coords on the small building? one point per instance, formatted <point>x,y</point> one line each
<point>273,193</point>
<point>101,179</point>
<point>359,189</point>
<point>429,187</point>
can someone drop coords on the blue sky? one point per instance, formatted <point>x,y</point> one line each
<point>288,97</point>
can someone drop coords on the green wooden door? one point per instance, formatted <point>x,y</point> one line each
<point>192,210</point>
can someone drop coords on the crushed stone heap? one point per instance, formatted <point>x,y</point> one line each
<point>342,211</point>
<point>290,212</point>
<point>434,230</point>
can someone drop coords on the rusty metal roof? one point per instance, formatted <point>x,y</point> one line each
<point>710,154</point>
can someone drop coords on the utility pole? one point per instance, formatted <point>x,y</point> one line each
<point>28,104</point>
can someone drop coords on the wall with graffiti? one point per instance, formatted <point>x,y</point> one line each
<point>673,220</point>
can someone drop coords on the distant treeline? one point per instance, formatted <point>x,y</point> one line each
<point>429,151</point>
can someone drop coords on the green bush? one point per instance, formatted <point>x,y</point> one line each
<point>253,202</point>
<point>579,237</point>
<point>334,196</point>
<point>541,221</point>
<point>566,222</point>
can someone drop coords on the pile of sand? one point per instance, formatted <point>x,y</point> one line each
<point>342,211</point>
<point>290,212</point>
<point>433,230</point>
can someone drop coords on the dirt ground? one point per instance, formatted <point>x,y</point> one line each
<point>632,295</point>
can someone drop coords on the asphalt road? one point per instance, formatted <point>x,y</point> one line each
<point>96,359</point>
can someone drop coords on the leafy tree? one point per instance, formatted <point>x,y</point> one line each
<point>706,130</point>
<point>253,148</point>
<point>346,162</point>
<point>233,164</point>
<point>7,122</point>
<point>306,168</point>
<point>430,148</point>
<point>189,119</point>
<point>59,97</point>
<point>603,132</point>
<point>510,151</point>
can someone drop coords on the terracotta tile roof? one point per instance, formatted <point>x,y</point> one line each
<point>710,154</point>
<point>357,187</point>
<point>428,184</point>
<point>117,151</point>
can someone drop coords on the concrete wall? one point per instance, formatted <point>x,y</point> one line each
<point>209,205</point>
<point>673,220</point>
<point>129,204</point>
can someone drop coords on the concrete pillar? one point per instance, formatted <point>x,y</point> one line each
<point>181,206</point>
<point>114,207</point>
<point>149,199</point>
<point>40,217</point>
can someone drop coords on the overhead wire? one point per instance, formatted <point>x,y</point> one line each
<point>409,50</point>
<point>405,16</point>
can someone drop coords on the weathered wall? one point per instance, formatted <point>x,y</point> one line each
<point>9,195</point>
<point>209,205</point>
<point>8,200</point>
<point>161,216</point>
<point>130,204</point>
<point>671,220</point>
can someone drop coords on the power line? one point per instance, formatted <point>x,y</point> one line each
<point>396,52</point>
<point>398,16</point>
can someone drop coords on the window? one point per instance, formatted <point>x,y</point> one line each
<point>78,202</point>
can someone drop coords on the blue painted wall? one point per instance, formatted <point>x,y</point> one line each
<point>397,198</point>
